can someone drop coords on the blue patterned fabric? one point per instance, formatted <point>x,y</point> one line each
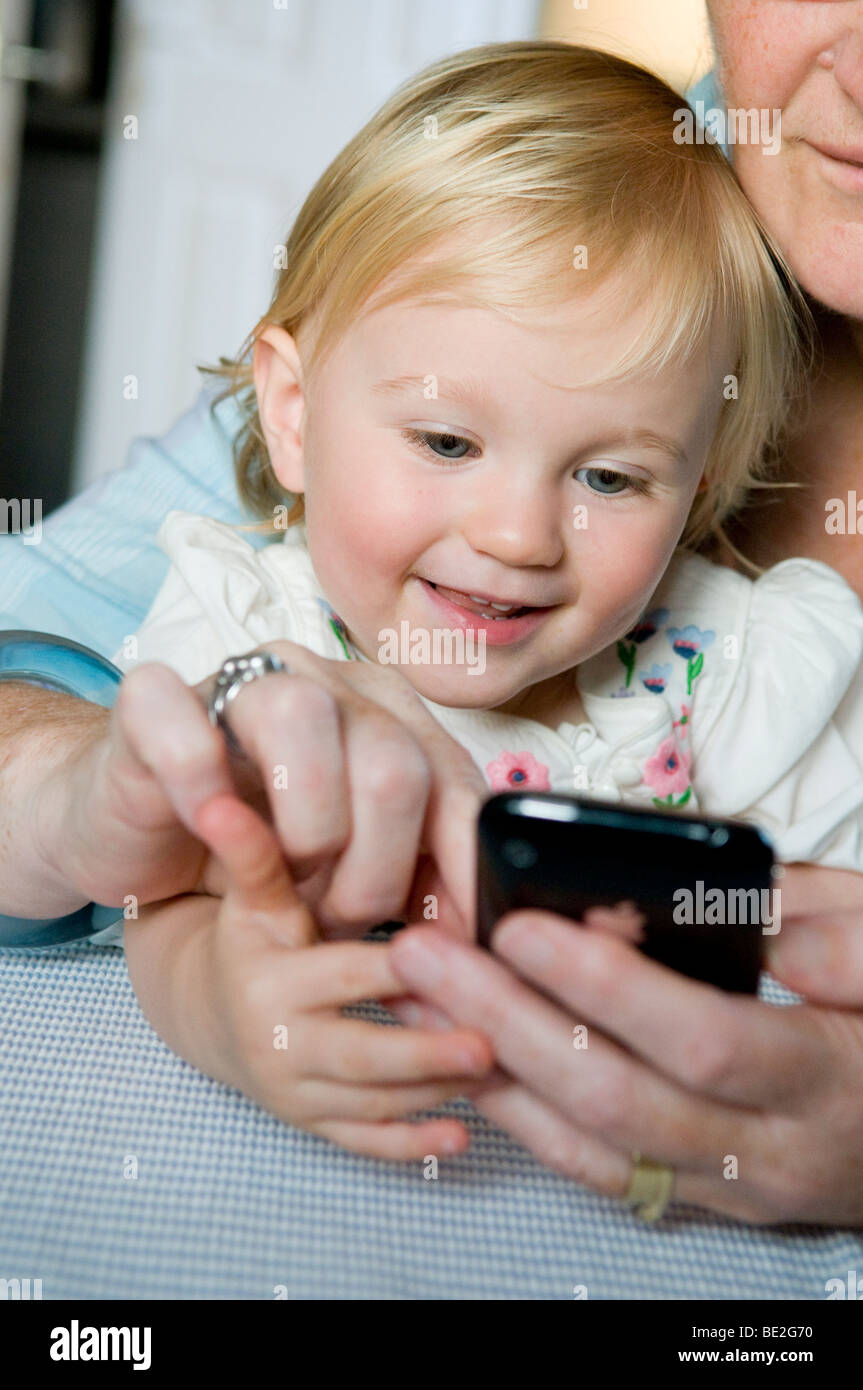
<point>229,1202</point>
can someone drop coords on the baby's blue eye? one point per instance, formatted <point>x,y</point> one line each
<point>449,448</point>
<point>447,445</point>
<point>609,476</point>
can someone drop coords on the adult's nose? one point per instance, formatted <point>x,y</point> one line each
<point>847,54</point>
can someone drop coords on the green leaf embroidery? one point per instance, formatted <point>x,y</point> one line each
<point>337,631</point>
<point>693,670</point>
<point>669,800</point>
<point>627,656</point>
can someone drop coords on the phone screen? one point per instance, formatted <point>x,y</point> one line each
<point>695,893</point>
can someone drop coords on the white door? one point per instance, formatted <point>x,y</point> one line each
<point>222,115</point>
<point>14,29</point>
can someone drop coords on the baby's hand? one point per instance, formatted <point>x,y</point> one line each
<point>277,992</point>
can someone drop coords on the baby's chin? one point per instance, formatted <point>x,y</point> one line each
<point>458,688</point>
<point>476,682</point>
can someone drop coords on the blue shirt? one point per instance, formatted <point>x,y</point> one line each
<point>95,570</point>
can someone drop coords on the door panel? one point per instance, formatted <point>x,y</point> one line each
<point>239,108</point>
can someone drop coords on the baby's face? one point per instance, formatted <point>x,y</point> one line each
<point>511,483</point>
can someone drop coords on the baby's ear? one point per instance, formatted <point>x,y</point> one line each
<point>702,486</point>
<point>278,376</point>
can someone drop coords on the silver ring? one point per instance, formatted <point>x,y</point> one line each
<point>232,675</point>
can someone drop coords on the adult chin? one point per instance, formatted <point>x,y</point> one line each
<point>818,227</point>
<point>838,298</point>
<point>830,269</point>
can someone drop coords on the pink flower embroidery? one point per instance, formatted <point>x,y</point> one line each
<point>667,771</point>
<point>518,772</point>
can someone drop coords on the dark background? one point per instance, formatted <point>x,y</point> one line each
<point>51,251</point>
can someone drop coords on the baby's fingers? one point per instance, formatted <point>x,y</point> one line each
<point>398,1139</point>
<point>366,1053</point>
<point>260,889</point>
<point>345,972</point>
<point>321,1101</point>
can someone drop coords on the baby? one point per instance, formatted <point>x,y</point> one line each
<point>525,354</point>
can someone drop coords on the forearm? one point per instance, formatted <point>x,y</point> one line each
<point>43,734</point>
<point>171,963</point>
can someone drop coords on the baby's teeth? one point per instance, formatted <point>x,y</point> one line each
<point>501,607</point>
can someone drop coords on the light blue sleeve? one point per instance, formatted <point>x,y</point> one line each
<point>706,90</point>
<point>709,93</point>
<point>96,568</point>
<point>93,572</point>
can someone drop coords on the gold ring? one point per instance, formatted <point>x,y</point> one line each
<point>649,1187</point>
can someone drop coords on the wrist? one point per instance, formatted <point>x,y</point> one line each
<point>51,692</point>
<point>175,972</point>
<point>61,807</point>
<point>40,730</point>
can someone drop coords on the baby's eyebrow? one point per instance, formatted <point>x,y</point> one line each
<point>650,440</point>
<point>466,391</point>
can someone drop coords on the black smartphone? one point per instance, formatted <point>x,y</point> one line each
<point>694,892</point>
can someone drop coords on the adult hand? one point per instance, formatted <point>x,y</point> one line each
<point>819,951</point>
<point>748,1102</point>
<point>375,805</point>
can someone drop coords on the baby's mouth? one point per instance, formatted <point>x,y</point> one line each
<point>483,607</point>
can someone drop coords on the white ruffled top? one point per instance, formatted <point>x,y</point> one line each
<point>732,696</point>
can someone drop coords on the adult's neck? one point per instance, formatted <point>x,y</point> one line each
<point>824,455</point>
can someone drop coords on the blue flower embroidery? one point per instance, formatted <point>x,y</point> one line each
<point>689,643</point>
<point>656,679</point>
<point>647,625</point>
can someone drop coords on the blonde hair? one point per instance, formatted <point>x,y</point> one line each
<point>549,147</point>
